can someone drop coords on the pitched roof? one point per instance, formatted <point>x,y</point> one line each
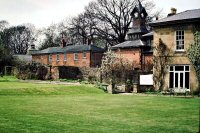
<point>139,8</point>
<point>128,44</point>
<point>71,48</point>
<point>80,48</point>
<point>148,34</point>
<point>27,58</point>
<point>187,16</point>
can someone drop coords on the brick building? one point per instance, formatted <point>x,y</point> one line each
<point>138,48</point>
<point>70,55</point>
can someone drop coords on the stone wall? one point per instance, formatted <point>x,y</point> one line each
<point>167,35</point>
<point>69,72</point>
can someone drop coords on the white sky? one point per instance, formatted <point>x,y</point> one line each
<point>42,13</point>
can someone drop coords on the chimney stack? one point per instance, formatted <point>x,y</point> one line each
<point>32,46</point>
<point>173,12</point>
<point>63,43</point>
<point>156,17</point>
<point>31,49</point>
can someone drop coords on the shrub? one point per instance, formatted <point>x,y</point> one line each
<point>31,71</point>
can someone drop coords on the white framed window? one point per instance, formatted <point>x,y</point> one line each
<point>179,76</point>
<point>84,55</point>
<point>180,40</point>
<point>75,56</point>
<point>65,56</point>
<point>50,57</point>
<point>57,57</point>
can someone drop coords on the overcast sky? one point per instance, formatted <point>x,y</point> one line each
<point>42,13</point>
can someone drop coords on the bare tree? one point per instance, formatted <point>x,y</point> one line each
<point>50,37</point>
<point>3,25</point>
<point>113,18</point>
<point>18,38</point>
<point>82,29</point>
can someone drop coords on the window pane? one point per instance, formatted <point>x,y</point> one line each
<point>76,56</point>
<point>179,39</point>
<point>171,80</point>
<point>50,58</point>
<point>179,68</point>
<point>84,54</point>
<point>187,80</point>
<point>181,80</point>
<point>65,56</point>
<point>176,80</point>
<point>58,57</point>
<point>171,68</point>
<point>187,68</point>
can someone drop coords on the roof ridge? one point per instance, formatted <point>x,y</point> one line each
<point>180,13</point>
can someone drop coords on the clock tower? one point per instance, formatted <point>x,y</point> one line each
<point>138,28</point>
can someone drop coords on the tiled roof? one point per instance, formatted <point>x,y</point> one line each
<point>71,48</point>
<point>79,48</point>
<point>23,57</point>
<point>127,44</point>
<point>188,15</point>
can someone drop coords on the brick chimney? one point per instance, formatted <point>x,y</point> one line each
<point>31,50</point>
<point>63,41</point>
<point>173,12</point>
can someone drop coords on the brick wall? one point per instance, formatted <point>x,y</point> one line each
<point>70,61</point>
<point>96,59</point>
<point>148,62</point>
<point>43,59</point>
<point>132,55</point>
<point>91,59</point>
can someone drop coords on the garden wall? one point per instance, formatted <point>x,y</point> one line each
<point>70,72</point>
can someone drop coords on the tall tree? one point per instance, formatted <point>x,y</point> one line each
<point>3,25</point>
<point>6,57</point>
<point>51,37</point>
<point>18,38</point>
<point>82,28</point>
<point>112,18</point>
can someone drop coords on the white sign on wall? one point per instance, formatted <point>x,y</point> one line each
<point>146,79</point>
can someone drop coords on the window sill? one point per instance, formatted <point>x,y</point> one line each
<point>180,51</point>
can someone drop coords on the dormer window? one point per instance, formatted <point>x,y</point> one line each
<point>136,14</point>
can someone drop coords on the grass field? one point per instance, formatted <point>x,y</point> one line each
<point>28,107</point>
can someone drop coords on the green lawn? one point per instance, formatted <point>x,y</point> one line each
<point>27,107</point>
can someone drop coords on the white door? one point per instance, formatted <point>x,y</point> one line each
<point>179,80</point>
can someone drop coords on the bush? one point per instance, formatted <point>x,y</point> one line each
<point>91,79</point>
<point>101,86</point>
<point>31,71</point>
